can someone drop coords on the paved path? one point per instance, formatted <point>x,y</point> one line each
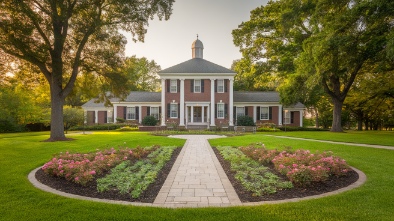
<point>197,179</point>
<point>336,142</point>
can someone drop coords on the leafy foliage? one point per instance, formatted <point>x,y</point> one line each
<point>253,176</point>
<point>245,121</point>
<point>72,117</point>
<point>134,178</point>
<point>315,48</point>
<point>149,121</point>
<point>82,168</point>
<point>64,39</point>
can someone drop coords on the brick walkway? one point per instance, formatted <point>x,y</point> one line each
<point>197,179</point>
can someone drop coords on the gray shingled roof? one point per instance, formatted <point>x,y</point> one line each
<point>143,96</point>
<point>134,96</point>
<point>256,96</point>
<point>196,65</point>
<point>239,96</point>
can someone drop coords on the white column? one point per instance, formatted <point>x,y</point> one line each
<point>301,117</point>
<point>212,115</point>
<point>254,114</point>
<point>191,114</point>
<point>115,113</point>
<point>231,123</point>
<point>140,114</point>
<point>280,115</point>
<point>163,102</point>
<point>182,103</point>
<point>96,116</point>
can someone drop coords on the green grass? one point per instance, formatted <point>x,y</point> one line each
<point>366,137</point>
<point>21,153</point>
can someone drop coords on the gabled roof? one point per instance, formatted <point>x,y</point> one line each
<point>196,65</point>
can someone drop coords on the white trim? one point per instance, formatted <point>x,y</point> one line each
<point>176,85</point>
<point>163,102</point>
<point>182,103</point>
<point>212,106</point>
<point>231,103</point>
<point>217,85</point>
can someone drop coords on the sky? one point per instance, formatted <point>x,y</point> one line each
<point>169,42</point>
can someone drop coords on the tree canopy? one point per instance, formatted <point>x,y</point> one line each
<point>319,47</point>
<point>64,38</point>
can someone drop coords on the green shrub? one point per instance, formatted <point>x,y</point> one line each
<point>127,128</point>
<point>100,127</point>
<point>290,128</point>
<point>120,120</point>
<point>245,121</point>
<point>149,121</point>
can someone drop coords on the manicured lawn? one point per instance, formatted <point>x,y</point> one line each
<point>21,153</point>
<point>366,137</point>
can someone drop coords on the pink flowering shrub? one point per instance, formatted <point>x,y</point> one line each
<point>303,167</point>
<point>82,168</point>
<point>259,153</point>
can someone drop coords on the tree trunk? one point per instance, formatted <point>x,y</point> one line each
<point>336,121</point>
<point>57,127</point>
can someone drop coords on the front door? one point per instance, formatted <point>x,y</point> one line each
<point>197,114</point>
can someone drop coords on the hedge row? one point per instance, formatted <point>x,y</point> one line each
<point>101,127</point>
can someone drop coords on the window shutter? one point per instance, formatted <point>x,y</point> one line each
<point>235,112</point>
<point>192,85</point>
<point>258,117</point>
<point>137,114</point>
<point>179,110</point>
<point>124,112</point>
<point>216,86</point>
<point>159,111</point>
<point>168,110</point>
<point>225,85</point>
<point>105,117</point>
<point>225,110</point>
<point>148,111</point>
<point>216,111</point>
<point>202,85</point>
<point>270,113</point>
<point>292,117</point>
<point>178,86</point>
<point>168,82</point>
<point>246,111</point>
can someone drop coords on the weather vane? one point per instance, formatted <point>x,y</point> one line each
<point>197,36</point>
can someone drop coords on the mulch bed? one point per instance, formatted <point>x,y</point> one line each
<point>90,190</point>
<point>333,183</point>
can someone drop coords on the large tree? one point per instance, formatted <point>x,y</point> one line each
<point>60,36</point>
<point>321,43</point>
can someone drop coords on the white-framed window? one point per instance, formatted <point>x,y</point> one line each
<point>197,86</point>
<point>174,110</point>
<point>240,111</point>
<point>130,113</point>
<point>220,111</point>
<point>220,86</point>
<point>264,113</point>
<point>287,117</point>
<point>173,86</point>
<point>154,111</point>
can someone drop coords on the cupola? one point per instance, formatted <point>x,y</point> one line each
<point>197,49</point>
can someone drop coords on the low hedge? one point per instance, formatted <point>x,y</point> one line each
<point>101,127</point>
<point>282,128</point>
